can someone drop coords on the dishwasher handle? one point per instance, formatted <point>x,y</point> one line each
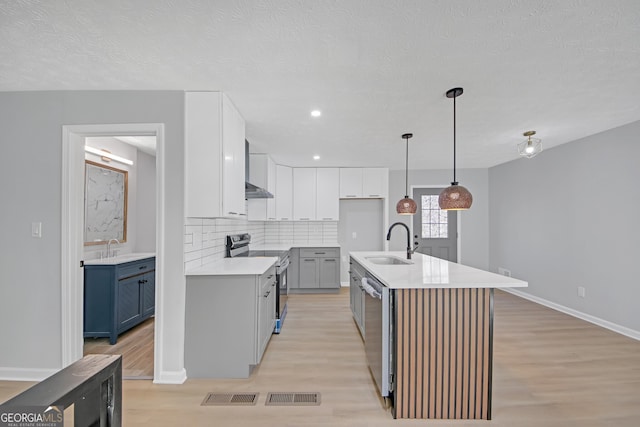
<point>370,290</point>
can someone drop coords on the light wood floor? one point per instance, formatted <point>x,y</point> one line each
<point>135,346</point>
<point>550,370</point>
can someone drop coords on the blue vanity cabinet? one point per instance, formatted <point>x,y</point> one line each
<point>118,297</point>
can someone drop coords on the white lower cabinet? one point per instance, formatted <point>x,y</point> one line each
<point>229,322</point>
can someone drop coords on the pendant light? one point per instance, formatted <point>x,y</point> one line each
<point>406,206</point>
<point>455,197</point>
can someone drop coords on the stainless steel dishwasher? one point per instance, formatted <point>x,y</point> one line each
<point>377,333</point>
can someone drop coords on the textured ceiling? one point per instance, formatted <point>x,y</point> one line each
<point>376,69</point>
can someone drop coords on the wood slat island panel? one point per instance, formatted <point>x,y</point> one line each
<point>443,353</point>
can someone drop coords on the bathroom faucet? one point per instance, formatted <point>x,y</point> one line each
<point>409,250</point>
<point>109,246</point>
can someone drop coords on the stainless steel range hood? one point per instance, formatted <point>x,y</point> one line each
<point>252,191</point>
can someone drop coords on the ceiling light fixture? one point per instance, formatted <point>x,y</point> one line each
<point>105,153</point>
<point>406,206</point>
<point>316,157</point>
<point>316,113</point>
<point>455,197</point>
<point>531,146</point>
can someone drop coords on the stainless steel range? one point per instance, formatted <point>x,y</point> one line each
<point>238,246</point>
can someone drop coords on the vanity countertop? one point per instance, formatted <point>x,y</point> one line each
<point>120,259</point>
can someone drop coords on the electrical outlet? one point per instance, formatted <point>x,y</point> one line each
<point>582,292</point>
<point>504,271</point>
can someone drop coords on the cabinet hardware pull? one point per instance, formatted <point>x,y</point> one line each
<point>304,219</point>
<point>327,219</point>
<point>142,267</point>
<point>351,195</point>
<point>232,213</point>
<point>374,195</point>
<point>310,259</point>
<point>319,253</point>
<point>330,260</point>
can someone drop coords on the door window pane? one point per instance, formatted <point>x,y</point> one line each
<point>434,220</point>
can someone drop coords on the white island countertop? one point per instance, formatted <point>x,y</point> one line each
<point>241,266</point>
<point>426,272</point>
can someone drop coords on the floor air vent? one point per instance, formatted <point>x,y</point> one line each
<point>293,399</point>
<point>230,399</point>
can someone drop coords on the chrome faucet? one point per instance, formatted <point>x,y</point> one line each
<point>409,250</point>
<point>109,253</point>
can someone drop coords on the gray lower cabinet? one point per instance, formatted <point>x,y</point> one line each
<point>118,297</point>
<point>357,294</point>
<point>319,268</point>
<point>229,322</point>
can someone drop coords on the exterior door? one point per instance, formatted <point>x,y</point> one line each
<point>435,230</point>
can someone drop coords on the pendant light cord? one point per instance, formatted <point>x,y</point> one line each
<point>406,169</point>
<point>454,142</point>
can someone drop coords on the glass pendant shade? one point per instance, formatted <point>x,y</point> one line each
<point>455,198</point>
<point>531,146</point>
<point>406,206</point>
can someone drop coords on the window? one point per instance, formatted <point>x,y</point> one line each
<point>434,220</point>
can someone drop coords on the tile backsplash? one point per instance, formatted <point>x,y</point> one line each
<point>204,238</point>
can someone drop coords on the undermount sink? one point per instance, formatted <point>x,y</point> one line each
<point>388,260</point>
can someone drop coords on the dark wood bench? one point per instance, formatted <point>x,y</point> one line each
<point>93,385</point>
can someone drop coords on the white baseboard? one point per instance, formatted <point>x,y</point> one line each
<point>575,313</point>
<point>344,284</point>
<point>25,374</point>
<point>171,377</point>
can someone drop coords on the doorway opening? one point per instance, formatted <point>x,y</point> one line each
<point>144,233</point>
<point>120,221</point>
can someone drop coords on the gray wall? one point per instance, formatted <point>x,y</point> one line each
<point>474,223</point>
<point>569,218</point>
<point>365,218</point>
<point>30,185</point>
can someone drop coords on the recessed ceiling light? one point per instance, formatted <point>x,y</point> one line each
<point>316,113</point>
<point>316,157</point>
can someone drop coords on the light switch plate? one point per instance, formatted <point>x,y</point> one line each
<point>36,229</point>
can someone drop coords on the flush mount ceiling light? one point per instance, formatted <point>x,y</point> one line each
<point>108,155</point>
<point>406,206</point>
<point>455,197</point>
<point>531,146</point>
<point>316,113</point>
<point>316,157</point>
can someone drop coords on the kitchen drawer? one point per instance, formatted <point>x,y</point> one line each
<point>136,267</point>
<point>320,252</point>
<point>268,278</point>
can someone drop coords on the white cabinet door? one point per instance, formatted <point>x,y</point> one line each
<point>214,156</point>
<point>233,174</point>
<point>327,194</point>
<point>203,154</point>
<point>284,193</point>
<point>374,182</point>
<point>304,194</point>
<point>350,183</point>
<point>271,188</point>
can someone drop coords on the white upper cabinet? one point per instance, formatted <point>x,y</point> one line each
<point>367,183</point>
<point>284,193</point>
<point>327,194</point>
<point>262,172</point>
<point>214,156</point>
<point>304,194</point>
<point>375,182</point>
<point>350,183</point>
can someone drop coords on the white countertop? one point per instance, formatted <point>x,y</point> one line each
<point>288,246</point>
<point>428,272</point>
<point>235,267</point>
<point>120,259</point>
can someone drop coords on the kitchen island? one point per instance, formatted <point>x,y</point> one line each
<point>437,321</point>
